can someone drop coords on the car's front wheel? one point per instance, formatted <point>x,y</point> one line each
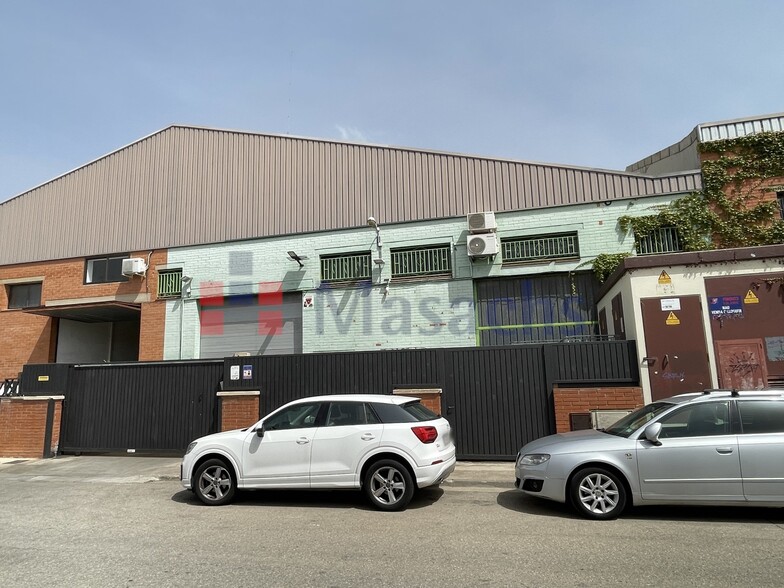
<point>388,485</point>
<point>597,493</point>
<point>214,482</point>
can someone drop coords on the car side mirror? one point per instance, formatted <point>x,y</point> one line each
<point>260,431</point>
<point>652,433</point>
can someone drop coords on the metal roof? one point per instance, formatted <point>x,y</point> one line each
<point>189,185</point>
<point>683,155</point>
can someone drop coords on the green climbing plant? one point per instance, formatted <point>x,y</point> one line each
<point>730,210</point>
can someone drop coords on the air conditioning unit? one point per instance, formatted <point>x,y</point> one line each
<point>133,266</point>
<point>482,245</point>
<point>481,222</point>
<point>601,419</point>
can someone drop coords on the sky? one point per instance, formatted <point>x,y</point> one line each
<point>578,82</point>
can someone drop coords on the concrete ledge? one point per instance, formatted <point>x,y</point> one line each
<point>240,393</point>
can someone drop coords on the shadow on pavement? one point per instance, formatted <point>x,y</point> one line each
<point>518,502</point>
<point>310,498</point>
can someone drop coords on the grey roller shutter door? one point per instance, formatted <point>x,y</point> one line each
<point>241,331</point>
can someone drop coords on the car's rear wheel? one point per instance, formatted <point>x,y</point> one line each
<point>388,485</point>
<point>597,493</point>
<point>214,482</point>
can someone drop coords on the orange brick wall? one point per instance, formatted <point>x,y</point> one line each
<point>238,412</point>
<point>430,397</point>
<point>23,427</point>
<point>569,400</point>
<point>151,331</point>
<point>27,338</point>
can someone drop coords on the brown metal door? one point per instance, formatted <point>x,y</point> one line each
<point>677,355</point>
<point>742,364</point>
<point>619,327</point>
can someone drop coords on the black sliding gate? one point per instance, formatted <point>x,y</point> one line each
<point>496,398</point>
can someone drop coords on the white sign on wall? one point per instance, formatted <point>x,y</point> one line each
<point>670,303</point>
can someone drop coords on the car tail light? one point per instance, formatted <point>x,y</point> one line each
<point>425,434</point>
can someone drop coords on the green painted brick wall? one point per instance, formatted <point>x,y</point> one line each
<point>429,313</point>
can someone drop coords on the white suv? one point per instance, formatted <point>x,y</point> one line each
<point>384,445</point>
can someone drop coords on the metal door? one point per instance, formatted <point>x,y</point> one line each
<point>677,355</point>
<point>742,364</point>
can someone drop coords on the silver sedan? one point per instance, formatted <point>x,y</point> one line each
<point>713,448</point>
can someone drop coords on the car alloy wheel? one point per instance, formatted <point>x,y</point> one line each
<point>389,485</point>
<point>214,483</point>
<point>598,494</point>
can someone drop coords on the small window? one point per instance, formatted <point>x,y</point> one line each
<point>663,240</point>
<point>169,283</point>
<point>24,295</point>
<point>422,261</point>
<point>345,268</point>
<point>700,420</point>
<point>540,247</point>
<point>101,270</point>
<point>780,198</point>
<point>761,416</point>
<point>411,412</point>
<point>299,416</point>
<point>342,414</point>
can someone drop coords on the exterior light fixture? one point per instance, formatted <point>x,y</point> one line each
<point>372,222</point>
<point>298,258</point>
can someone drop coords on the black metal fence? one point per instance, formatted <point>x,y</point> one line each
<point>140,408</point>
<point>496,398</point>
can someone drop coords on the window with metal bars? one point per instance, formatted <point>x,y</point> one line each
<point>422,261</point>
<point>540,247</point>
<point>350,267</point>
<point>169,283</point>
<point>663,240</point>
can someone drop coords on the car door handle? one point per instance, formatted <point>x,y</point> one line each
<point>367,436</point>
<point>724,450</point>
<point>303,441</point>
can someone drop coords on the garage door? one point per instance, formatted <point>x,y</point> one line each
<point>244,324</point>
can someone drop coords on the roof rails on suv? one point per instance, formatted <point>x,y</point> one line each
<point>732,391</point>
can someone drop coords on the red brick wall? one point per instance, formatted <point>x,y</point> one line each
<point>238,412</point>
<point>431,398</point>
<point>569,400</point>
<point>27,338</point>
<point>23,426</point>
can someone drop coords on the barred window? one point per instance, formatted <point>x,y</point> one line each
<point>422,261</point>
<point>540,247</point>
<point>345,267</point>
<point>663,240</point>
<point>169,283</point>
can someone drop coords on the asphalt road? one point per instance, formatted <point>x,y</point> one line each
<point>120,530</point>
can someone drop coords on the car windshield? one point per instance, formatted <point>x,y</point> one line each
<point>631,422</point>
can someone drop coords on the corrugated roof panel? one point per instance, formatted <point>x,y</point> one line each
<point>188,186</point>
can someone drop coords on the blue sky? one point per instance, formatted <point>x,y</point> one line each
<point>587,83</point>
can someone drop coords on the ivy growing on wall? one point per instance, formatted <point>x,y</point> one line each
<point>730,210</point>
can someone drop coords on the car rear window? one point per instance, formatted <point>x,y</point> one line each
<point>410,412</point>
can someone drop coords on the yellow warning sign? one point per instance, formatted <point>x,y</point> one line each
<point>672,319</point>
<point>664,278</point>
<point>751,298</point>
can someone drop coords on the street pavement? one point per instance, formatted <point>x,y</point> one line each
<point>125,469</point>
<point>126,521</point>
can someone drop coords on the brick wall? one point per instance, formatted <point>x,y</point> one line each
<point>238,409</point>
<point>570,400</point>
<point>23,426</point>
<point>431,397</point>
<point>27,338</point>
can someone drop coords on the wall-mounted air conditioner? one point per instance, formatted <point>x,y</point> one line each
<point>481,222</point>
<point>133,266</point>
<point>482,245</point>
